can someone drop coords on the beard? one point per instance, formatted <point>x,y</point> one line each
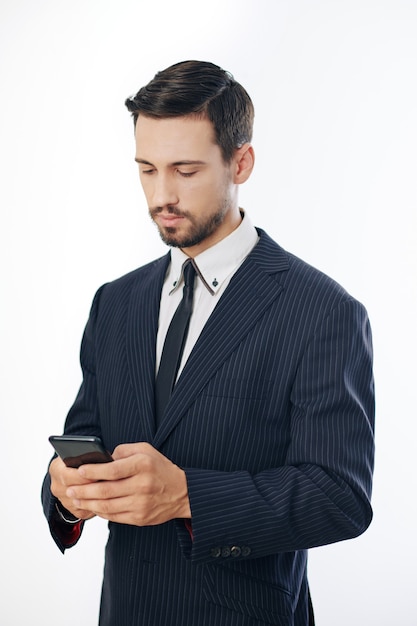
<point>198,230</point>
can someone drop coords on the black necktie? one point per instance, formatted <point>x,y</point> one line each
<point>174,344</point>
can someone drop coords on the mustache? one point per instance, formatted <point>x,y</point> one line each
<point>171,210</point>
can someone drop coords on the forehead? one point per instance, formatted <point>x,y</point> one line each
<point>175,138</point>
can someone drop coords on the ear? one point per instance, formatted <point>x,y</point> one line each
<point>243,163</point>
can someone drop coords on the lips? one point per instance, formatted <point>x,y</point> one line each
<point>168,220</point>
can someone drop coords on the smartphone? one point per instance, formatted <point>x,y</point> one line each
<point>76,450</point>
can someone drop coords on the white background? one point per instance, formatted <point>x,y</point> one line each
<point>334,87</point>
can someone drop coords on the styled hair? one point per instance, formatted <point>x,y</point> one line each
<point>204,90</point>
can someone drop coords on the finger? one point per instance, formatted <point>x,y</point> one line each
<point>64,475</point>
<point>121,510</point>
<point>126,450</point>
<point>82,514</point>
<point>94,472</point>
<point>68,505</point>
<point>100,490</point>
<point>128,464</point>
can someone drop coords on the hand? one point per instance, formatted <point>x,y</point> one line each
<point>63,477</point>
<point>141,487</point>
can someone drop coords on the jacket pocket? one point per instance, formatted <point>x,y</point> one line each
<point>248,596</point>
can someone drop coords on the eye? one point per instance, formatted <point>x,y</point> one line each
<point>186,174</point>
<point>148,171</point>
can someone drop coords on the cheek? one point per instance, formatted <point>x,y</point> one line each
<point>190,194</point>
<point>146,185</point>
<point>202,194</point>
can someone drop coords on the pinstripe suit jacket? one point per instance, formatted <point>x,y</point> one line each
<point>272,421</point>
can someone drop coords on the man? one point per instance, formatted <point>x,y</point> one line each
<point>263,448</point>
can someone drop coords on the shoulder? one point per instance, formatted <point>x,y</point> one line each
<point>307,286</point>
<point>139,274</point>
<point>118,291</point>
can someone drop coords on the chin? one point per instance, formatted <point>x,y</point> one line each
<point>170,238</point>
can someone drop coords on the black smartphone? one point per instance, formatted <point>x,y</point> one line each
<point>76,450</point>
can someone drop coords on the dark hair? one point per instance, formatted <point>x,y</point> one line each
<point>204,90</point>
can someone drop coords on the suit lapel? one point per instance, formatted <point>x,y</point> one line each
<point>251,291</point>
<point>142,328</point>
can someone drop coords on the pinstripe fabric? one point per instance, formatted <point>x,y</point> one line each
<point>272,420</point>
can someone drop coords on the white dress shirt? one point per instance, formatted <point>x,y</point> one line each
<point>215,267</point>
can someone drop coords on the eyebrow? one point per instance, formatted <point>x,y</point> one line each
<point>175,164</point>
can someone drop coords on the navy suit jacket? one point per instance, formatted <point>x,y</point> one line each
<point>272,421</point>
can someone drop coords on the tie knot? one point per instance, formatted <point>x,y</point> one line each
<point>189,273</point>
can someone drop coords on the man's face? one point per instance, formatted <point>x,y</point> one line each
<point>189,189</point>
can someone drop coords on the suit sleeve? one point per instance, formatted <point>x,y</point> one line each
<point>322,493</point>
<point>82,419</point>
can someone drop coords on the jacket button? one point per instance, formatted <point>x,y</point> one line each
<point>246,551</point>
<point>225,552</point>
<point>215,552</point>
<point>235,551</point>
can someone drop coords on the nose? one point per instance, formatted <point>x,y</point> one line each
<point>163,191</point>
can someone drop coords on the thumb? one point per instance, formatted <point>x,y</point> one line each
<point>125,450</point>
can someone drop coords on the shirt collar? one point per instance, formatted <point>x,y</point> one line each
<point>215,264</point>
